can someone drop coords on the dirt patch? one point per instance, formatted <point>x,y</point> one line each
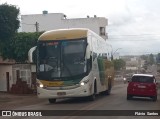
<point>12,101</point>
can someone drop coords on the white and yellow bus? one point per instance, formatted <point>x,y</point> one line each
<point>72,63</point>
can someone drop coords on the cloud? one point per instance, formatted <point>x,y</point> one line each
<point>136,29</point>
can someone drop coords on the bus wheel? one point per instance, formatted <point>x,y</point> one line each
<point>93,96</point>
<point>108,92</point>
<point>52,100</point>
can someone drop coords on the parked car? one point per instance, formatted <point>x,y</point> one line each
<point>143,85</point>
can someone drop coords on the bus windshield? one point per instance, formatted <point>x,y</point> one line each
<point>59,60</point>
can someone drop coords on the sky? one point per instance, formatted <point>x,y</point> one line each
<point>133,25</point>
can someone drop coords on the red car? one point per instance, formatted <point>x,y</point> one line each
<point>143,85</point>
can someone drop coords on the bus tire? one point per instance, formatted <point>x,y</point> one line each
<point>93,96</point>
<point>108,92</point>
<point>52,100</point>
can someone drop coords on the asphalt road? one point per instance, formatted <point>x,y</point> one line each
<point>115,101</point>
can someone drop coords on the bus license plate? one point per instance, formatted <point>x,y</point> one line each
<point>61,93</point>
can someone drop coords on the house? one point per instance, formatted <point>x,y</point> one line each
<point>50,21</point>
<point>6,74</point>
<point>13,74</point>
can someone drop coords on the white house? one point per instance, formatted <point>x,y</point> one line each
<point>10,72</point>
<point>51,21</point>
<point>5,76</point>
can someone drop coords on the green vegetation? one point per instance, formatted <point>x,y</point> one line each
<point>149,59</point>
<point>19,46</point>
<point>22,43</point>
<point>14,45</point>
<point>158,58</point>
<point>119,64</point>
<point>9,23</point>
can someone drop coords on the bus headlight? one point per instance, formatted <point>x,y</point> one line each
<point>124,79</point>
<point>82,83</point>
<point>41,85</point>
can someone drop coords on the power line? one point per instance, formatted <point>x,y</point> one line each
<point>27,24</point>
<point>141,52</point>
<point>137,35</point>
<point>138,53</point>
<point>134,40</point>
<point>140,37</point>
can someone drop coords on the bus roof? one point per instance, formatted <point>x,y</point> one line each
<point>64,34</point>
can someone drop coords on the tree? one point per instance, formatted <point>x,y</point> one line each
<point>119,64</point>
<point>144,57</point>
<point>9,23</point>
<point>20,46</point>
<point>151,59</point>
<point>158,58</point>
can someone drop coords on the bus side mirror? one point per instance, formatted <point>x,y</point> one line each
<point>31,54</point>
<point>88,52</point>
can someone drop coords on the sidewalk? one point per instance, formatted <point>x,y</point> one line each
<point>13,101</point>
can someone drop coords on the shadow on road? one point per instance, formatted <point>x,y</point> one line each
<point>141,99</point>
<point>79,100</point>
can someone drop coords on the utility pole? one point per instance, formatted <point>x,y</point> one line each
<point>37,27</point>
<point>114,53</point>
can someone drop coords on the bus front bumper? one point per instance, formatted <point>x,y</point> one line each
<point>80,91</point>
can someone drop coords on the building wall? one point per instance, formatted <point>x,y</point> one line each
<point>53,21</point>
<point>24,73</point>
<point>33,68</point>
<point>131,68</point>
<point>3,79</point>
<point>92,23</point>
<point>45,21</point>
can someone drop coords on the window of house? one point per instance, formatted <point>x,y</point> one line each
<point>102,31</point>
<point>25,75</point>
